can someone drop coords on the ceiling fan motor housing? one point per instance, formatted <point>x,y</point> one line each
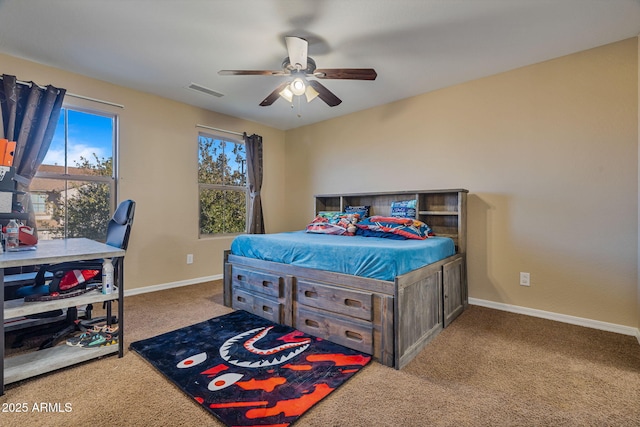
<point>311,65</point>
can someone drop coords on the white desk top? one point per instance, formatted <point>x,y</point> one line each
<point>60,250</point>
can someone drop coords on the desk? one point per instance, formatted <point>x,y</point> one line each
<point>51,252</point>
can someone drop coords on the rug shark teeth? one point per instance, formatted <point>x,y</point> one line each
<point>245,354</point>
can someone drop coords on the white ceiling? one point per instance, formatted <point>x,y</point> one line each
<point>416,46</point>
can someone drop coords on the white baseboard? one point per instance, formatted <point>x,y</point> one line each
<point>170,285</point>
<point>580,321</point>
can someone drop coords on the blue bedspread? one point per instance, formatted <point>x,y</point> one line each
<point>372,257</point>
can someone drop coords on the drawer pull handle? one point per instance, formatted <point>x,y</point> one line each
<point>267,283</point>
<point>311,323</point>
<point>310,294</point>
<point>353,336</point>
<point>241,299</point>
<point>353,303</point>
<point>267,309</point>
<point>240,277</point>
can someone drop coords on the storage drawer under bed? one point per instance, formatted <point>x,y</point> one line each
<point>260,281</point>
<point>263,307</point>
<point>351,333</point>
<point>345,301</point>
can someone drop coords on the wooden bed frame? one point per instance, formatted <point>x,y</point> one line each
<point>392,320</point>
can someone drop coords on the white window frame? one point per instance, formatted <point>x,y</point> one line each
<point>222,187</point>
<point>112,180</point>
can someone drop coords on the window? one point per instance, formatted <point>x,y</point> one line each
<point>73,191</point>
<point>39,202</point>
<point>222,182</point>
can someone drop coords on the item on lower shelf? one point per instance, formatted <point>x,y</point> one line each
<point>57,295</point>
<point>98,336</point>
<point>85,333</point>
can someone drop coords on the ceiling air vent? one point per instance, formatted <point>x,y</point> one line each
<point>203,89</point>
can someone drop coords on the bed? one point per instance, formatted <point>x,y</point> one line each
<point>386,297</point>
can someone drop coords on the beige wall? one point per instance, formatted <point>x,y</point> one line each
<point>549,153</point>
<point>158,169</point>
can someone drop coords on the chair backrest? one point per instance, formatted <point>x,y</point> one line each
<point>119,226</point>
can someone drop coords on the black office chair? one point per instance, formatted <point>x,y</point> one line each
<point>118,231</point>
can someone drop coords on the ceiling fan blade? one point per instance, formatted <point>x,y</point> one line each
<point>273,96</point>
<point>252,73</point>
<point>325,94</point>
<point>297,48</point>
<point>346,73</point>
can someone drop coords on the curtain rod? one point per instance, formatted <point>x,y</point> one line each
<point>73,95</point>
<point>220,130</point>
<point>100,101</point>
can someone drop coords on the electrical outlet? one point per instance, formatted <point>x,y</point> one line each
<point>525,279</point>
<point>189,258</point>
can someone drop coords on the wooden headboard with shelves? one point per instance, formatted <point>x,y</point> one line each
<point>445,211</point>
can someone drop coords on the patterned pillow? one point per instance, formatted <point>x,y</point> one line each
<point>404,209</point>
<point>363,211</point>
<point>335,223</point>
<point>329,214</point>
<point>325,228</point>
<point>394,228</point>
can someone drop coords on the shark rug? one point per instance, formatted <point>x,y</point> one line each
<point>248,371</point>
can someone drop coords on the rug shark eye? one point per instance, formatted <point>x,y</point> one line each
<point>192,360</point>
<point>224,381</point>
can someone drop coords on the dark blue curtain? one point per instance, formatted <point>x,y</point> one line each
<point>29,117</point>
<point>253,145</point>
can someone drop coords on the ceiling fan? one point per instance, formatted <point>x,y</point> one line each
<point>299,66</point>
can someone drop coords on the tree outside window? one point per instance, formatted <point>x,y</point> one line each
<point>74,187</point>
<point>222,182</point>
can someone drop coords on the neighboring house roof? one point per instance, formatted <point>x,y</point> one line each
<point>46,185</point>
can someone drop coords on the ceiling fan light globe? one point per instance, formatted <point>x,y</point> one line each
<point>310,93</point>
<point>287,94</point>
<point>297,86</point>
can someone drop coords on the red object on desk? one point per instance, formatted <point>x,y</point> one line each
<point>27,236</point>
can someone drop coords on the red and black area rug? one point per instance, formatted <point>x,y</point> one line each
<point>248,371</point>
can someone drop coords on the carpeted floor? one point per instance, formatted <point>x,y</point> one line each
<point>489,368</point>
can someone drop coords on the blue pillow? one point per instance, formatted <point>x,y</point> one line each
<point>404,209</point>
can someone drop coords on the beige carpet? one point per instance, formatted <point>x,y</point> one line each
<point>489,368</point>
